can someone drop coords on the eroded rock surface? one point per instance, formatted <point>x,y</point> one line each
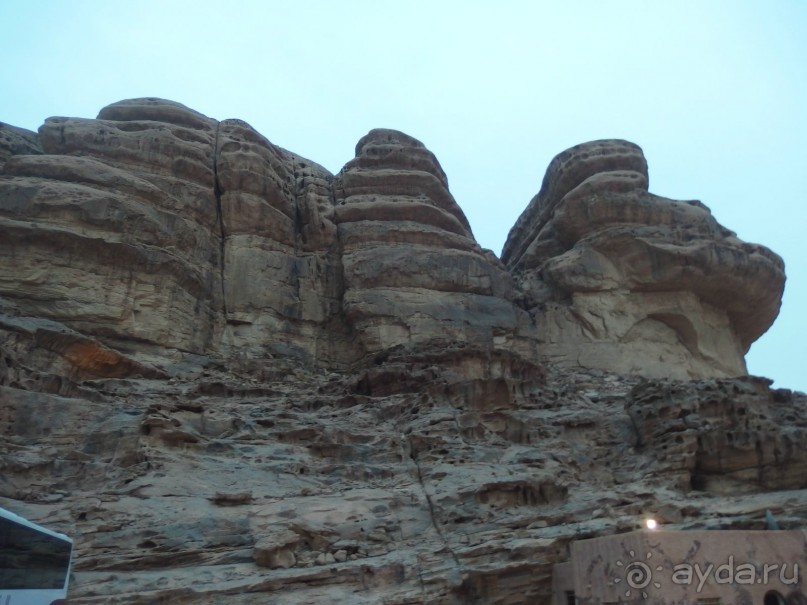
<point>234,377</point>
<point>17,141</point>
<point>281,268</point>
<point>432,475</point>
<point>158,225</point>
<point>413,272</point>
<point>114,229</point>
<point>632,282</point>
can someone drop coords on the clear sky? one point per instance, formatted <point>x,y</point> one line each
<point>714,91</point>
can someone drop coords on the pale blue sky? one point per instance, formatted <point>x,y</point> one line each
<point>714,91</point>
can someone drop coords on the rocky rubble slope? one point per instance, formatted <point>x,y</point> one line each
<point>236,378</point>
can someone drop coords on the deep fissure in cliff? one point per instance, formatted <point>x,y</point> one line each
<point>217,192</point>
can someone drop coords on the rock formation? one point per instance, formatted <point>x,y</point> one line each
<point>194,235</point>
<point>632,282</point>
<point>234,377</point>
<point>413,272</point>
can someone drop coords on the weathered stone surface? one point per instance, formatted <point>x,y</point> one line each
<point>114,230</point>
<point>632,282</point>
<point>192,235</point>
<point>17,141</point>
<point>281,269</point>
<point>725,437</point>
<point>79,357</point>
<point>233,377</point>
<point>200,236</point>
<point>622,161</point>
<point>412,271</point>
<point>437,476</point>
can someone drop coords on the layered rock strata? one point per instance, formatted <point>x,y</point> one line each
<point>625,280</point>
<point>435,475</point>
<point>113,230</point>
<point>156,225</point>
<point>281,269</point>
<point>413,272</point>
<point>234,377</point>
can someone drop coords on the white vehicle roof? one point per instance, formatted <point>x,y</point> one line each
<point>7,514</point>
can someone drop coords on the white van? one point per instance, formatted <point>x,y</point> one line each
<point>34,563</point>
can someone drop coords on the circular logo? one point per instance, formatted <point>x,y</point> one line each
<point>638,575</point>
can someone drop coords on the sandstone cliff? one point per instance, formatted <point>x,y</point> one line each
<point>237,378</point>
<point>633,282</point>
<point>157,225</point>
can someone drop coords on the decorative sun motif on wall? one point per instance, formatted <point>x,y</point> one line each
<point>638,574</point>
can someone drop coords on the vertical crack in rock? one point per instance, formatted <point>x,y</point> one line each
<point>222,241</point>
<point>338,249</point>
<point>298,185</point>
<point>435,524</point>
